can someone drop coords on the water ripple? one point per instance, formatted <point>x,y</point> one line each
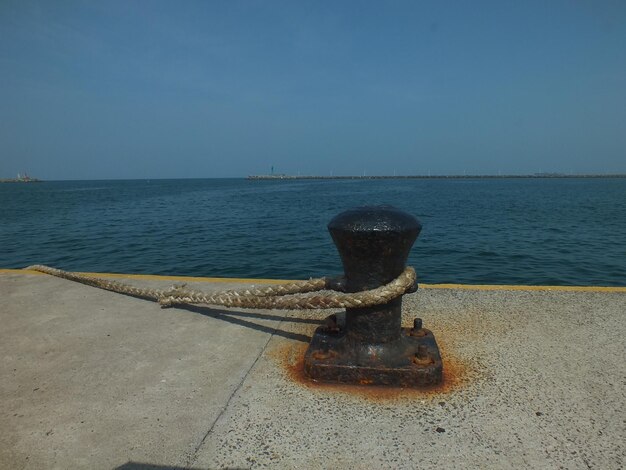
<point>475,231</point>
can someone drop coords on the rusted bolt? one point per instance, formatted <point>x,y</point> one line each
<point>371,346</point>
<point>417,330</point>
<point>323,355</point>
<point>422,356</point>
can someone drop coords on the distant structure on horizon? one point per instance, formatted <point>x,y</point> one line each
<point>21,178</point>
<point>429,176</point>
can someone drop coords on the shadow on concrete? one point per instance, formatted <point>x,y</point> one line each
<point>236,318</point>
<point>151,466</point>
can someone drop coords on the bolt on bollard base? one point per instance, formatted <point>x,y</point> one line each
<point>412,360</point>
<point>368,345</point>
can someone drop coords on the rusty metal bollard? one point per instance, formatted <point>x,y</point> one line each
<point>368,345</point>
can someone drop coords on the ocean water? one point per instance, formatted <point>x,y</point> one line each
<point>475,231</point>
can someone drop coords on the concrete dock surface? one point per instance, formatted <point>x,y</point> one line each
<point>534,378</point>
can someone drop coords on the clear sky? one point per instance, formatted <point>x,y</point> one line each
<point>151,89</point>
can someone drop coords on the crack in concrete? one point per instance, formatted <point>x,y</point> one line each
<point>194,454</point>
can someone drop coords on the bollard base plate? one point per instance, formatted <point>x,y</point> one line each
<point>411,361</point>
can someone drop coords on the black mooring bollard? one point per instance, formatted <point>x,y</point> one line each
<point>368,345</point>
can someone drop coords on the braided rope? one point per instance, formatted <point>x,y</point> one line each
<point>288,296</point>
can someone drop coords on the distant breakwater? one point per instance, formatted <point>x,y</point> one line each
<point>396,177</point>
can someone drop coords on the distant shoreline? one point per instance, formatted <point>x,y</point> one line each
<point>538,175</point>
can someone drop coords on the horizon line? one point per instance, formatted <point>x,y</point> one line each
<point>545,175</point>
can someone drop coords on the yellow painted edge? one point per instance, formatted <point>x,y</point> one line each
<point>525,288</point>
<point>154,277</point>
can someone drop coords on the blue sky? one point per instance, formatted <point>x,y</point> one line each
<point>150,89</point>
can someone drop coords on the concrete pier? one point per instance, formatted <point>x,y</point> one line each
<point>534,378</point>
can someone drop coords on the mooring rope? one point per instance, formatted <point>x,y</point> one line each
<point>289,296</point>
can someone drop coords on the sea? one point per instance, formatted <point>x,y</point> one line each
<point>525,231</point>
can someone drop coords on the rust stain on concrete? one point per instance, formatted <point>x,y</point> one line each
<point>456,375</point>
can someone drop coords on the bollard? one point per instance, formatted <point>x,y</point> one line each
<point>368,345</point>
